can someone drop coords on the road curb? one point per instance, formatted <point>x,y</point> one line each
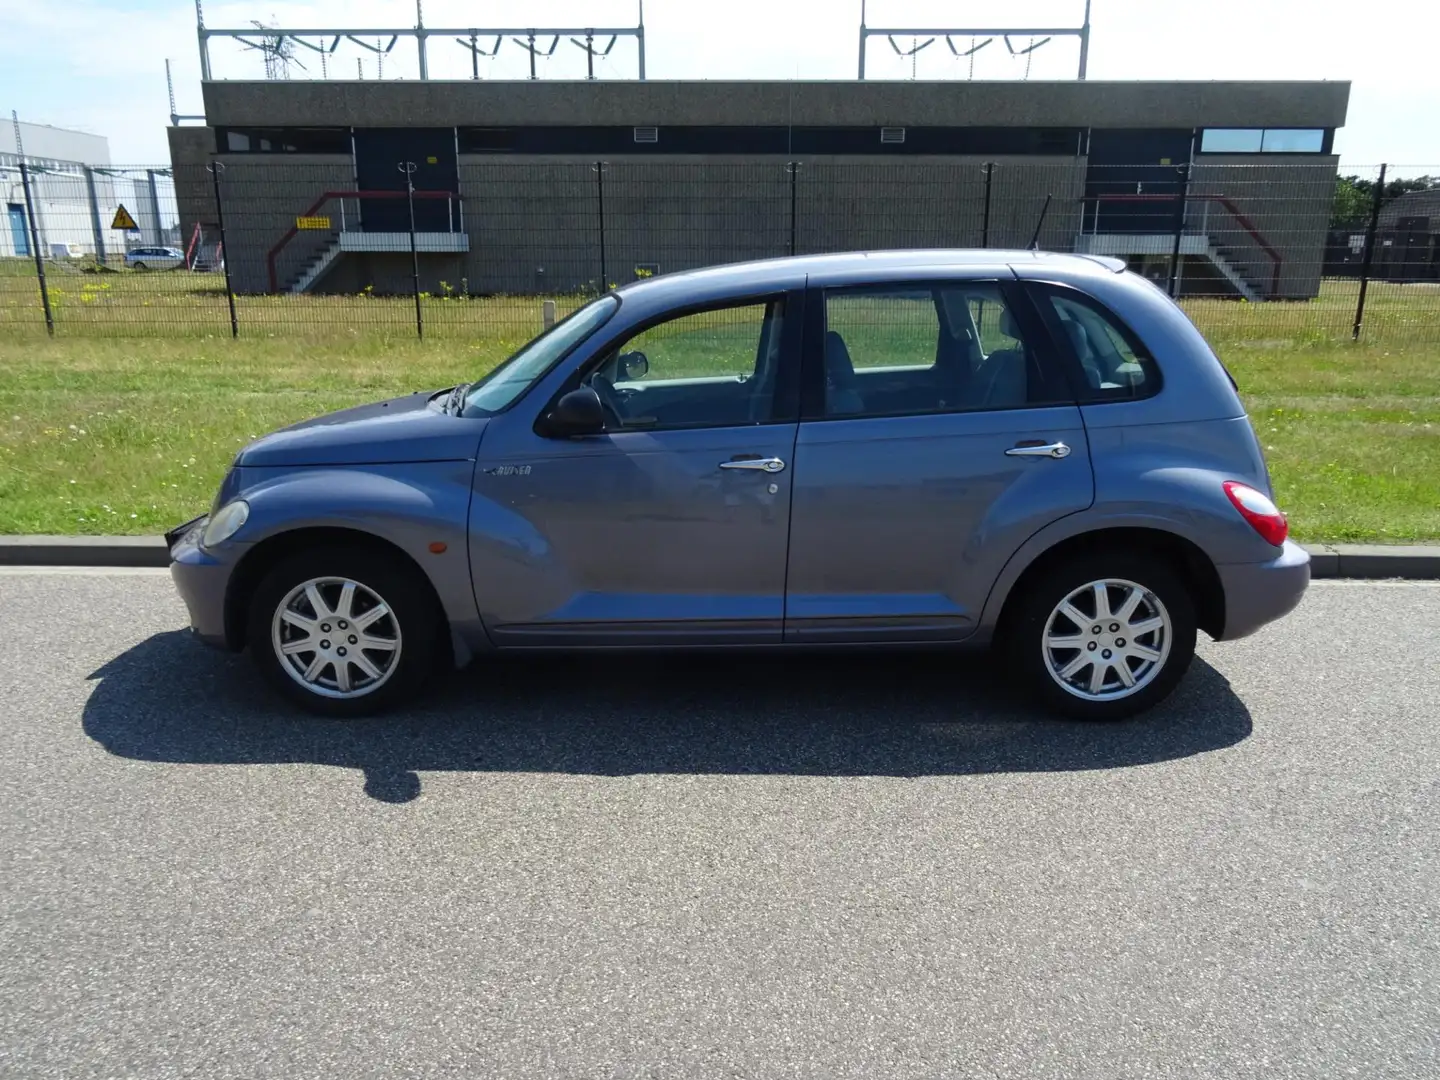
<point>83,551</point>
<point>1374,561</point>
<point>1354,561</point>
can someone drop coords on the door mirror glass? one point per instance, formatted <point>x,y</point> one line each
<point>577,413</point>
<point>634,365</point>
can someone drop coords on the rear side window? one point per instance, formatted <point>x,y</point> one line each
<point>916,348</point>
<point>1113,361</point>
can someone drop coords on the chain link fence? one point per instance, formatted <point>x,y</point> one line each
<point>287,249</point>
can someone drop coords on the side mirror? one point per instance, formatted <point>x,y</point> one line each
<point>634,365</point>
<point>577,413</point>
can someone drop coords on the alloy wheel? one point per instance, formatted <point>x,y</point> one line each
<point>336,637</point>
<point>1108,639</point>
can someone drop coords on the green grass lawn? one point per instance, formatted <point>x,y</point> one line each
<point>125,422</point>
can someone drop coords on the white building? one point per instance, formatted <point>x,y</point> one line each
<point>75,195</point>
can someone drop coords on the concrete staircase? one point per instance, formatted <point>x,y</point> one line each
<point>313,267</point>
<point>380,242</point>
<point>1220,258</point>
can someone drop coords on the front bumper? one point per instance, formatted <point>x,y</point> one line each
<point>201,579</point>
<point>1258,593</point>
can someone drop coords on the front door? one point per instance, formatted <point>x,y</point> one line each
<point>672,525</point>
<point>379,153</point>
<point>938,436</point>
<point>1134,180</point>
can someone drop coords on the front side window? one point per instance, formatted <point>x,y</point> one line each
<point>913,349</point>
<point>1115,364</point>
<point>715,368</point>
<point>503,386</point>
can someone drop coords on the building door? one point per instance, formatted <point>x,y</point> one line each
<point>17,228</point>
<point>1134,180</point>
<point>379,153</point>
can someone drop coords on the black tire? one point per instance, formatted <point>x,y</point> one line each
<point>413,609</point>
<point>139,266</point>
<point>1023,631</point>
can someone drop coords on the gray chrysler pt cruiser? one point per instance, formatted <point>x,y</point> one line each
<point>925,448</point>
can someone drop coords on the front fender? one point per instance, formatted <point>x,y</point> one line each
<point>413,506</point>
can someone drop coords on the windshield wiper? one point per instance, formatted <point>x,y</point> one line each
<point>457,395</point>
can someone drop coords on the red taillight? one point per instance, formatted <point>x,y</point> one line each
<point>1256,508</point>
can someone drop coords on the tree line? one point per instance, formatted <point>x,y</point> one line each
<point>1354,196</point>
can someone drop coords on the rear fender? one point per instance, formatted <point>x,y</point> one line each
<point>1187,504</point>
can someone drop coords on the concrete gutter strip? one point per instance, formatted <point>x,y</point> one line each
<point>1359,561</point>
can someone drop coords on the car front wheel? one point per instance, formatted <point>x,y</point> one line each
<point>1103,636</point>
<point>343,632</point>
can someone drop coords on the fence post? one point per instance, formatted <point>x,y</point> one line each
<point>600,200</point>
<point>985,222</point>
<point>95,229</point>
<point>215,168</point>
<point>35,248</point>
<point>1180,204</point>
<point>793,168</point>
<point>408,168</point>
<point>1369,258</point>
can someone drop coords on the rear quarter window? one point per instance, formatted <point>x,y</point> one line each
<point>1113,363</point>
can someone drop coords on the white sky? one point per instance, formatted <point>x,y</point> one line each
<point>98,65</point>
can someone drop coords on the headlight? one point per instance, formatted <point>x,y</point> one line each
<point>226,522</point>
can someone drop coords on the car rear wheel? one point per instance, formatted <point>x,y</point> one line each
<point>139,266</point>
<point>344,632</point>
<point>1103,636</point>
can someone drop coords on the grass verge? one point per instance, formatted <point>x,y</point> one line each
<point>131,435</point>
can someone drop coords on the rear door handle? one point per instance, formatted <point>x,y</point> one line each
<point>758,464</point>
<point>1039,449</point>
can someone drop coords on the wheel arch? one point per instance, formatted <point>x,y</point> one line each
<point>1195,568</point>
<point>265,555</point>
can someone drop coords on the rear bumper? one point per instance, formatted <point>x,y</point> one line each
<point>1258,593</point>
<point>201,580</point>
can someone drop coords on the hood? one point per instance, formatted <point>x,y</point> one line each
<point>400,430</point>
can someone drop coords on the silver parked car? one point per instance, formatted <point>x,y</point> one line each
<point>155,258</point>
<point>904,448</point>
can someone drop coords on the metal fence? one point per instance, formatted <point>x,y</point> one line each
<point>267,246</point>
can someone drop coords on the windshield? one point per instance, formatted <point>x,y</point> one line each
<point>499,390</point>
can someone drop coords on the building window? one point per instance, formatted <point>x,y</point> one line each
<point>1292,141</point>
<point>297,140</point>
<point>1262,141</point>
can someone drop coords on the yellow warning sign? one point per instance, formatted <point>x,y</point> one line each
<point>312,223</point>
<point>124,221</point>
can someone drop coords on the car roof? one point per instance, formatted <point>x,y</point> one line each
<point>790,272</point>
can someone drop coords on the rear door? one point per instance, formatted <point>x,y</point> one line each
<point>938,433</point>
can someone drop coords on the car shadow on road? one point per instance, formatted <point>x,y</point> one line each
<point>873,714</point>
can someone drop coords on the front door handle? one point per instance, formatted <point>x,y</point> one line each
<point>1039,449</point>
<point>759,464</point>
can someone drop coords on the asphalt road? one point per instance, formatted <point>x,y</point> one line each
<point>738,868</point>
